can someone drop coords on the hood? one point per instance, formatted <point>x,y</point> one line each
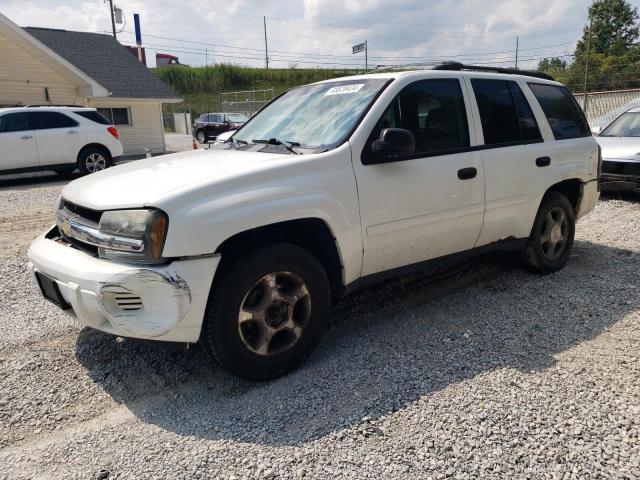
<point>150,181</point>
<point>620,148</point>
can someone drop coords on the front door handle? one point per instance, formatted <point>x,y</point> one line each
<point>26,137</point>
<point>543,161</point>
<point>467,173</point>
<point>72,132</point>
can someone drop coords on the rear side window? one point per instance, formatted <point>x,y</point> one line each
<point>48,120</point>
<point>433,110</point>
<point>504,112</point>
<point>563,112</point>
<point>215,118</point>
<point>14,122</point>
<point>93,116</point>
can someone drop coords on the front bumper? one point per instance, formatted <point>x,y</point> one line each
<point>620,175</point>
<point>161,302</point>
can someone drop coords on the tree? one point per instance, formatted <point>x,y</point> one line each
<point>615,28</point>
<point>552,64</point>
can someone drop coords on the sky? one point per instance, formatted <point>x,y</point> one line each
<point>320,33</point>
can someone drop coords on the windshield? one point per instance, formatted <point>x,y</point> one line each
<point>626,125</point>
<point>236,117</point>
<point>313,116</point>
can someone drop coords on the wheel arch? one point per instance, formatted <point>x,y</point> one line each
<point>313,234</point>
<point>99,146</point>
<point>570,188</point>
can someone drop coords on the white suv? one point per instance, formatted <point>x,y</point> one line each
<point>330,187</point>
<point>56,138</point>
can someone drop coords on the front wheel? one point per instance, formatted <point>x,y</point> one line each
<point>551,238</point>
<point>267,312</point>
<point>92,160</point>
<point>201,137</point>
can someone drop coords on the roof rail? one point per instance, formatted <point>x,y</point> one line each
<point>49,105</point>
<point>481,68</point>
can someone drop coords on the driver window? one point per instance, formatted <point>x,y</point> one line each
<point>433,110</point>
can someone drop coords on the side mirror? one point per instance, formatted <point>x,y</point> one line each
<point>596,130</point>
<point>392,143</point>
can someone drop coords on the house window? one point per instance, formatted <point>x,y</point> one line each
<point>116,116</point>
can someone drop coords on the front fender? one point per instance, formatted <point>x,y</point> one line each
<point>325,190</point>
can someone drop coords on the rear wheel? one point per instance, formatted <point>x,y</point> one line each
<point>551,239</point>
<point>93,160</point>
<point>267,312</point>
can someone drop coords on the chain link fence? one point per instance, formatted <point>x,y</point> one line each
<point>603,107</point>
<point>246,101</point>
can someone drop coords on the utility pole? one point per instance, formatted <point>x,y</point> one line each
<point>113,20</point>
<point>366,57</point>
<point>517,41</point>
<point>206,57</point>
<point>586,67</point>
<point>266,50</point>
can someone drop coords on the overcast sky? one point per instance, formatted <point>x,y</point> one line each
<point>308,33</point>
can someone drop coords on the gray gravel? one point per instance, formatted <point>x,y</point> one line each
<point>479,370</point>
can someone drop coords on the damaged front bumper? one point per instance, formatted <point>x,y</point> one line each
<point>620,175</point>
<point>164,302</point>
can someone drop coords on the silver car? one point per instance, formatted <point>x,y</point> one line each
<point>620,143</point>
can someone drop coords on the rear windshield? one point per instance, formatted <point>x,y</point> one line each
<point>93,115</point>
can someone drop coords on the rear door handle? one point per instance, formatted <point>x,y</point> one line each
<point>72,132</point>
<point>543,161</point>
<point>26,137</point>
<point>467,173</point>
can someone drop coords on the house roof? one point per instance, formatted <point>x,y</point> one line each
<point>105,60</point>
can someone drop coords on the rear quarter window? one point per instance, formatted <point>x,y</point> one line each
<point>562,111</point>
<point>94,116</point>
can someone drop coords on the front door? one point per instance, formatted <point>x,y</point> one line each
<point>18,147</point>
<point>430,203</point>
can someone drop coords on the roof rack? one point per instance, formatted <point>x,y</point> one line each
<point>478,68</point>
<point>49,105</point>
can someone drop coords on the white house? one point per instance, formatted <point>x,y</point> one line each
<point>41,66</point>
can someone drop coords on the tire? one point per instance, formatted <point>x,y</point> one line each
<point>201,136</point>
<point>245,312</point>
<point>552,236</point>
<point>92,160</point>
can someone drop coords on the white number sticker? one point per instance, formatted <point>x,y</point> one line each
<point>345,89</point>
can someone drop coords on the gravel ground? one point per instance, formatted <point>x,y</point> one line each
<point>479,370</point>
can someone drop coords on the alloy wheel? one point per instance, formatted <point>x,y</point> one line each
<point>274,313</point>
<point>95,162</point>
<point>554,235</point>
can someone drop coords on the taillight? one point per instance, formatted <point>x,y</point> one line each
<point>113,131</point>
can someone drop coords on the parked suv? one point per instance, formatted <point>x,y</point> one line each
<point>210,125</point>
<point>331,187</point>
<point>56,138</point>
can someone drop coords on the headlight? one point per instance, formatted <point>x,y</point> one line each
<point>148,228</point>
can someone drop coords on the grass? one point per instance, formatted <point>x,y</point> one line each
<point>201,86</point>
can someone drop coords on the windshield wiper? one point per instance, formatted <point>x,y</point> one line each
<point>282,143</point>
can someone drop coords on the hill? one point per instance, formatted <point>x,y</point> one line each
<point>201,86</point>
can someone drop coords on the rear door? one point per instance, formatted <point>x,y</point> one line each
<point>59,137</point>
<point>429,203</point>
<point>514,154</point>
<point>18,146</point>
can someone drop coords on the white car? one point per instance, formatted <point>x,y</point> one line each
<point>56,138</point>
<point>332,186</point>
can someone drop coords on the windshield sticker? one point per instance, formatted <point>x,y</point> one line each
<point>344,89</point>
